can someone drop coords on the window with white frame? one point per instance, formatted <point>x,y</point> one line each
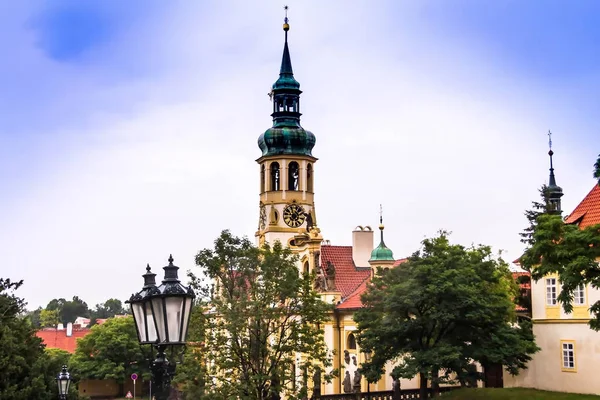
<point>551,291</point>
<point>568,355</point>
<point>579,295</point>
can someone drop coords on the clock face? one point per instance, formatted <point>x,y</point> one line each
<point>262,219</point>
<point>293,215</point>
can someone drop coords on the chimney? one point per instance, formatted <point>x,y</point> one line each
<point>362,245</point>
<point>69,329</point>
<point>60,327</point>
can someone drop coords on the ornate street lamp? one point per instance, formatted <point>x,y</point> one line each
<point>162,316</point>
<point>63,380</point>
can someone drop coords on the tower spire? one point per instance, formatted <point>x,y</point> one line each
<point>381,227</point>
<point>552,181</point>
<point>286,61</point>
<point>554,191</point>
<point>287,135</point>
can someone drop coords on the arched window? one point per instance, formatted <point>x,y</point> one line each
<point>306,267</point>
<point>274,176</point>
<point>293,176</point>
<point>309,178</point>
<point>262,178</point>
<point>351,344</point>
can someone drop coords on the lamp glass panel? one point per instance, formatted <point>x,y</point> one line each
<point>174,315</point>
<point>138,316</point>
<point>151,323</point>
<point>159,318</point>
<point>186,317</point>
<point>63,386</point>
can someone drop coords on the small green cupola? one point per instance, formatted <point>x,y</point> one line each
<point>381,254</point>
<point>554,192</point>
<point>286,136</point>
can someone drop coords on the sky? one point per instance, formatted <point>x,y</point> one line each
<point>128,130</point>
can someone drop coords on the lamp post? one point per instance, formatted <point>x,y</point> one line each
<point>63,380</point>
<point>162,316</point>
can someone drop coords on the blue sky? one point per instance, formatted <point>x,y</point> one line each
<point>128,129</point>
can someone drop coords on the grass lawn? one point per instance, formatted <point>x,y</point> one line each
<point>514,394</point>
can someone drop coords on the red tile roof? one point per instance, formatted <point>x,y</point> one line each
<point>58,339</point>
<point>588,211</point>
<point>347,276</point>
<point>353,301</point>
<point>349,279</point>
<point>400,261</point>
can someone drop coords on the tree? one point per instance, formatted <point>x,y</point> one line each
<point>110,351</point>
<point>56,304</point>
<point>597,169</point>
<point>437,313</point>
<point>51,364</point>
<point>68,311</point>
<point>73,309</point>
<point>34,317</point>
<point>537,209</point>
<point>191,373</point>
<point>49,318</point>
<point>21,352</point>
<point>108,309</point>
<point>261,314</point>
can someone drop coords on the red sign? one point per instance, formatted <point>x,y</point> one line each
<point>134,376</point>
<point>128,395</point>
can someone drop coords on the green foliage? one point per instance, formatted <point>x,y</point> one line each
<point>191,373</point>
<point>445,307</point>
<point>22,355</point>
<point>110,351</point>
<point>109,309</point>
<point>34,317</point>
<point>49,318</point>
<point>570,252</point>
<point>537,209</point>
<point>262,313</point>
<point>51,364</point>
<point>67,311</point>
<point>597,169</point>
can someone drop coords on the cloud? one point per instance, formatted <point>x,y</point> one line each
<point>120,148</point>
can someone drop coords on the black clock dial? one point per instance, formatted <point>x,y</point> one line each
<point>293,215</point>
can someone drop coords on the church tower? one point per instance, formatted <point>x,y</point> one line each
<point>286,167</point>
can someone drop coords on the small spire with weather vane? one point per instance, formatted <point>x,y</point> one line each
<point>554,192</point>
<point>552,181</point>
<point>286,22</point>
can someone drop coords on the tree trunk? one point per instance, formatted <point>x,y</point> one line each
<point>435,385</point>
<point>422,386</point>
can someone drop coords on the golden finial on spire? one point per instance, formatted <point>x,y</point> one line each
<point>381,217</point>
<point>286,25</point>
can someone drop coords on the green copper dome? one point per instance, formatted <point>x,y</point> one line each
<point>286,140</point>
<point>286,136</point>
<point>381,252</point>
